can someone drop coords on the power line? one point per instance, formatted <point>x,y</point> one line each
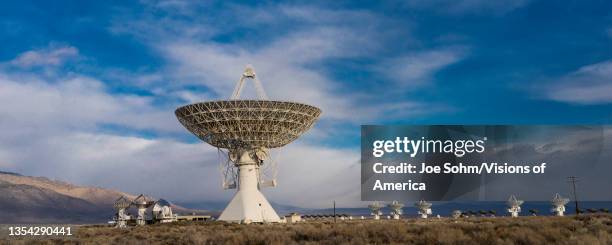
<point>573,180</point>
<point>334,211</point>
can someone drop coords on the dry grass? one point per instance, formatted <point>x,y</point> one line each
<point>587,229</point>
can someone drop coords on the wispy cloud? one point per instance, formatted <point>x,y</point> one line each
<point>285,77</point>
<point>290,61</point>
<point>417,68</point>
<point>588,85</point>
<point>51,56</point>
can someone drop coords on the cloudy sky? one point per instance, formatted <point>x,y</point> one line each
<point>88,91</point>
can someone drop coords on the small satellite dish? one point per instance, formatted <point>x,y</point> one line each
<point>456,214</point>
<point>396,209</point>
<point>376,209</point>
<point>142,203</point>
<point>424,208</point>
<point>514,206</point>
<point>121,205</point>
<point>558,204</point>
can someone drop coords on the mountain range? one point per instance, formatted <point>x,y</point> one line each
<point>26,199</point>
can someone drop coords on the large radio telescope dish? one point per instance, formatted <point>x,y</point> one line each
<point>233,124</point>
<point>247,129</point>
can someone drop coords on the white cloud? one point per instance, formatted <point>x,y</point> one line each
<point>289,61</point>
<point>315,176</point>
<point>418,68</point>
<point>283,77</point>
<point>76,102</point>
<point>53,129</point>
<point>588,85</point>
<point>51,56</point>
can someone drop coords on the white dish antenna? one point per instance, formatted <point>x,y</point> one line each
<point>396,209</point>
<point>142,203</point>
<point>244,131</point>
<point>558,204</point>
<point>424,208</point>
<point>456,214</point>
<point>376,209</point>
<point>162,211</point>
<point>514,206</point>
<point>121,204</point>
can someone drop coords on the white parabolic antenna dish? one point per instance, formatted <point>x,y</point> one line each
<point>234,124</point>
<point>513,202</point>
<point>247,129</point>
<point>558,200</point>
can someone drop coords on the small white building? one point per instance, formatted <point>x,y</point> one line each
<point>293,218</point>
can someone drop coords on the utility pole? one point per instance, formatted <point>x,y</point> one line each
<point>573,180</point>
<point>334,211</point>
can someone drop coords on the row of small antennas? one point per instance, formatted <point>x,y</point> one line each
<point>425,207</point>
<point>395,205</point>
<point>557,200</point>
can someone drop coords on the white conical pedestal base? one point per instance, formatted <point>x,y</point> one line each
<point>249,204</point>
<point>248,207</point>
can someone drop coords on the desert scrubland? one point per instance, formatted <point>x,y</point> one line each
<point>585,229</point>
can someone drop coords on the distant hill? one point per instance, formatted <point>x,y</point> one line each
<point>25,199</point>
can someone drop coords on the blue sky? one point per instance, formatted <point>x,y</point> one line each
<point>124,67</point>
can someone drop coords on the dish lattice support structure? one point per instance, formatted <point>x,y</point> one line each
<point>248,129</point>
